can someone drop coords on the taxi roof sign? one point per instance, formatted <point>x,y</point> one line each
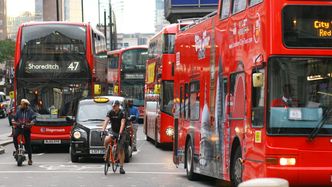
<point>100,100</point>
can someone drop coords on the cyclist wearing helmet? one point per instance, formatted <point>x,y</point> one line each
<point>117,119</point>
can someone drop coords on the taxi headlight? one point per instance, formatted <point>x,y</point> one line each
<point>77,135</point>
<point>169,131</point>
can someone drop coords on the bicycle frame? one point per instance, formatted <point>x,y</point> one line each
<point>111,156</point>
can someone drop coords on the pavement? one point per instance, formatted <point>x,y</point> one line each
<point>4,140</point>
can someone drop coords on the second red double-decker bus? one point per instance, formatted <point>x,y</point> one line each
<point>57,64</point>
<point>159,86</point>
<point>254,82</point>
<point>126,74</point>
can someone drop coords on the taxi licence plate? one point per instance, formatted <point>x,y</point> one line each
<point>52,141</point>
<point>97,151</point>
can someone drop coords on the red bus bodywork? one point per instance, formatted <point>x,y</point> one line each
<point>158,123</point>
<point>116,76</point>
<point>216,62</point>
<point>57,131</point>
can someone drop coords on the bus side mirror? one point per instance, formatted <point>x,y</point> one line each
<point>97,89</point>
<point>257,80</point>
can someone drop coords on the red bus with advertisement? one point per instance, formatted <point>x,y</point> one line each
<point>126,74</point>
<point>56,65</point>
<point>159,86</point>
<point>254,84</point>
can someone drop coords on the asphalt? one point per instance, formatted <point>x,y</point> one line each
<point>5,131</point>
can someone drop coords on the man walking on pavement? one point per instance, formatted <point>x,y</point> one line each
<point>134,111</point>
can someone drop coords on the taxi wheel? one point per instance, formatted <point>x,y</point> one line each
<point>73,157</point>
<point>127,154</point>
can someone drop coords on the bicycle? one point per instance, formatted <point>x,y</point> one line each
<point>111,155</point>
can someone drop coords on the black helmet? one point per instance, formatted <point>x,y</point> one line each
<point>116,102</point>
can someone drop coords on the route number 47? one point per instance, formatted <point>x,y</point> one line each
<point>73,66</point>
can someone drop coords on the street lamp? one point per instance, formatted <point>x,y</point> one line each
<point>82,11</point>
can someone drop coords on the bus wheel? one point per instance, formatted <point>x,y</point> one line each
<point>190,162</point>
<point>156,135</point>
<point>236,168</point>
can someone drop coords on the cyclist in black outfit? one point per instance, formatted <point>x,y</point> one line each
<point>118,120</point>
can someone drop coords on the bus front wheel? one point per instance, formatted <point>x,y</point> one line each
<point>190,161</point>
<point>236,168</point>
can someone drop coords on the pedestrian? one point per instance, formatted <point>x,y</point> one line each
<point>134,111</point>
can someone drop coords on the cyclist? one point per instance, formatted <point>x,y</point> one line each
<point>118,120</point>
<point>24,115</point>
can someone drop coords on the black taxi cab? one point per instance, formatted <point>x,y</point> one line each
<point>85,138</point>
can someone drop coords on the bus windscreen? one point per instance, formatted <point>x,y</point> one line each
<point>57,51</point>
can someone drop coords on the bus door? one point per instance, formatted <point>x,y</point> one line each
<point>223,127</point>
<point>182,118</point>
<point>254,153</point>
<point>237,102</point>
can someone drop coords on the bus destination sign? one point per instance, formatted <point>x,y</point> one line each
<point>56,67</point>
<point>134,76</point>
<point>323,28</point>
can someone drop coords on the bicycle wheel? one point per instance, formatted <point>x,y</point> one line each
<point>115,163</point>
<point>107,160</point>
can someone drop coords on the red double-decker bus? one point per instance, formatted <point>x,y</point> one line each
<point>254,84</point>
<point>159,86</point>
<point>56,65</point>
<point>126,74</point>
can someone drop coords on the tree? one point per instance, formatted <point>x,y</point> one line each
<point>7,49</point>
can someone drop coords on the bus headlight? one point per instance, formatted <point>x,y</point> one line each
<point>77,134</point>
<point>169,131</point>
<point>287,161</point>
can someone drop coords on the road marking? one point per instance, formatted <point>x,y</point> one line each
<point>87,165</point>
<point>92,172</point>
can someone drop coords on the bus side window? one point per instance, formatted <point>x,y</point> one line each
<point>257,97</point>
<point>194,101</point>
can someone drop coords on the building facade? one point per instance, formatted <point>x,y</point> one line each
<point>160,20</point>
<point>3,20</point>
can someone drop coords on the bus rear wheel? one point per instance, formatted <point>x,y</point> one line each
<point>236,168</point>
<point>190,162</point>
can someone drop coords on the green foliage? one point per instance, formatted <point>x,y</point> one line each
<point>7,49</point>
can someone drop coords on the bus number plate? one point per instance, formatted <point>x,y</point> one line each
<point>52,141</point>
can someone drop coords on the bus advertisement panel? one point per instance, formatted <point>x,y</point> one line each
<point>253,93</point>
<point>55,67</point>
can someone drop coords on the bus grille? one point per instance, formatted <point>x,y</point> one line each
<point>95,140</point>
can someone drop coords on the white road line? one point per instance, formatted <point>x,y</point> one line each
<point>93,164</point>
<point>91,172</point>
